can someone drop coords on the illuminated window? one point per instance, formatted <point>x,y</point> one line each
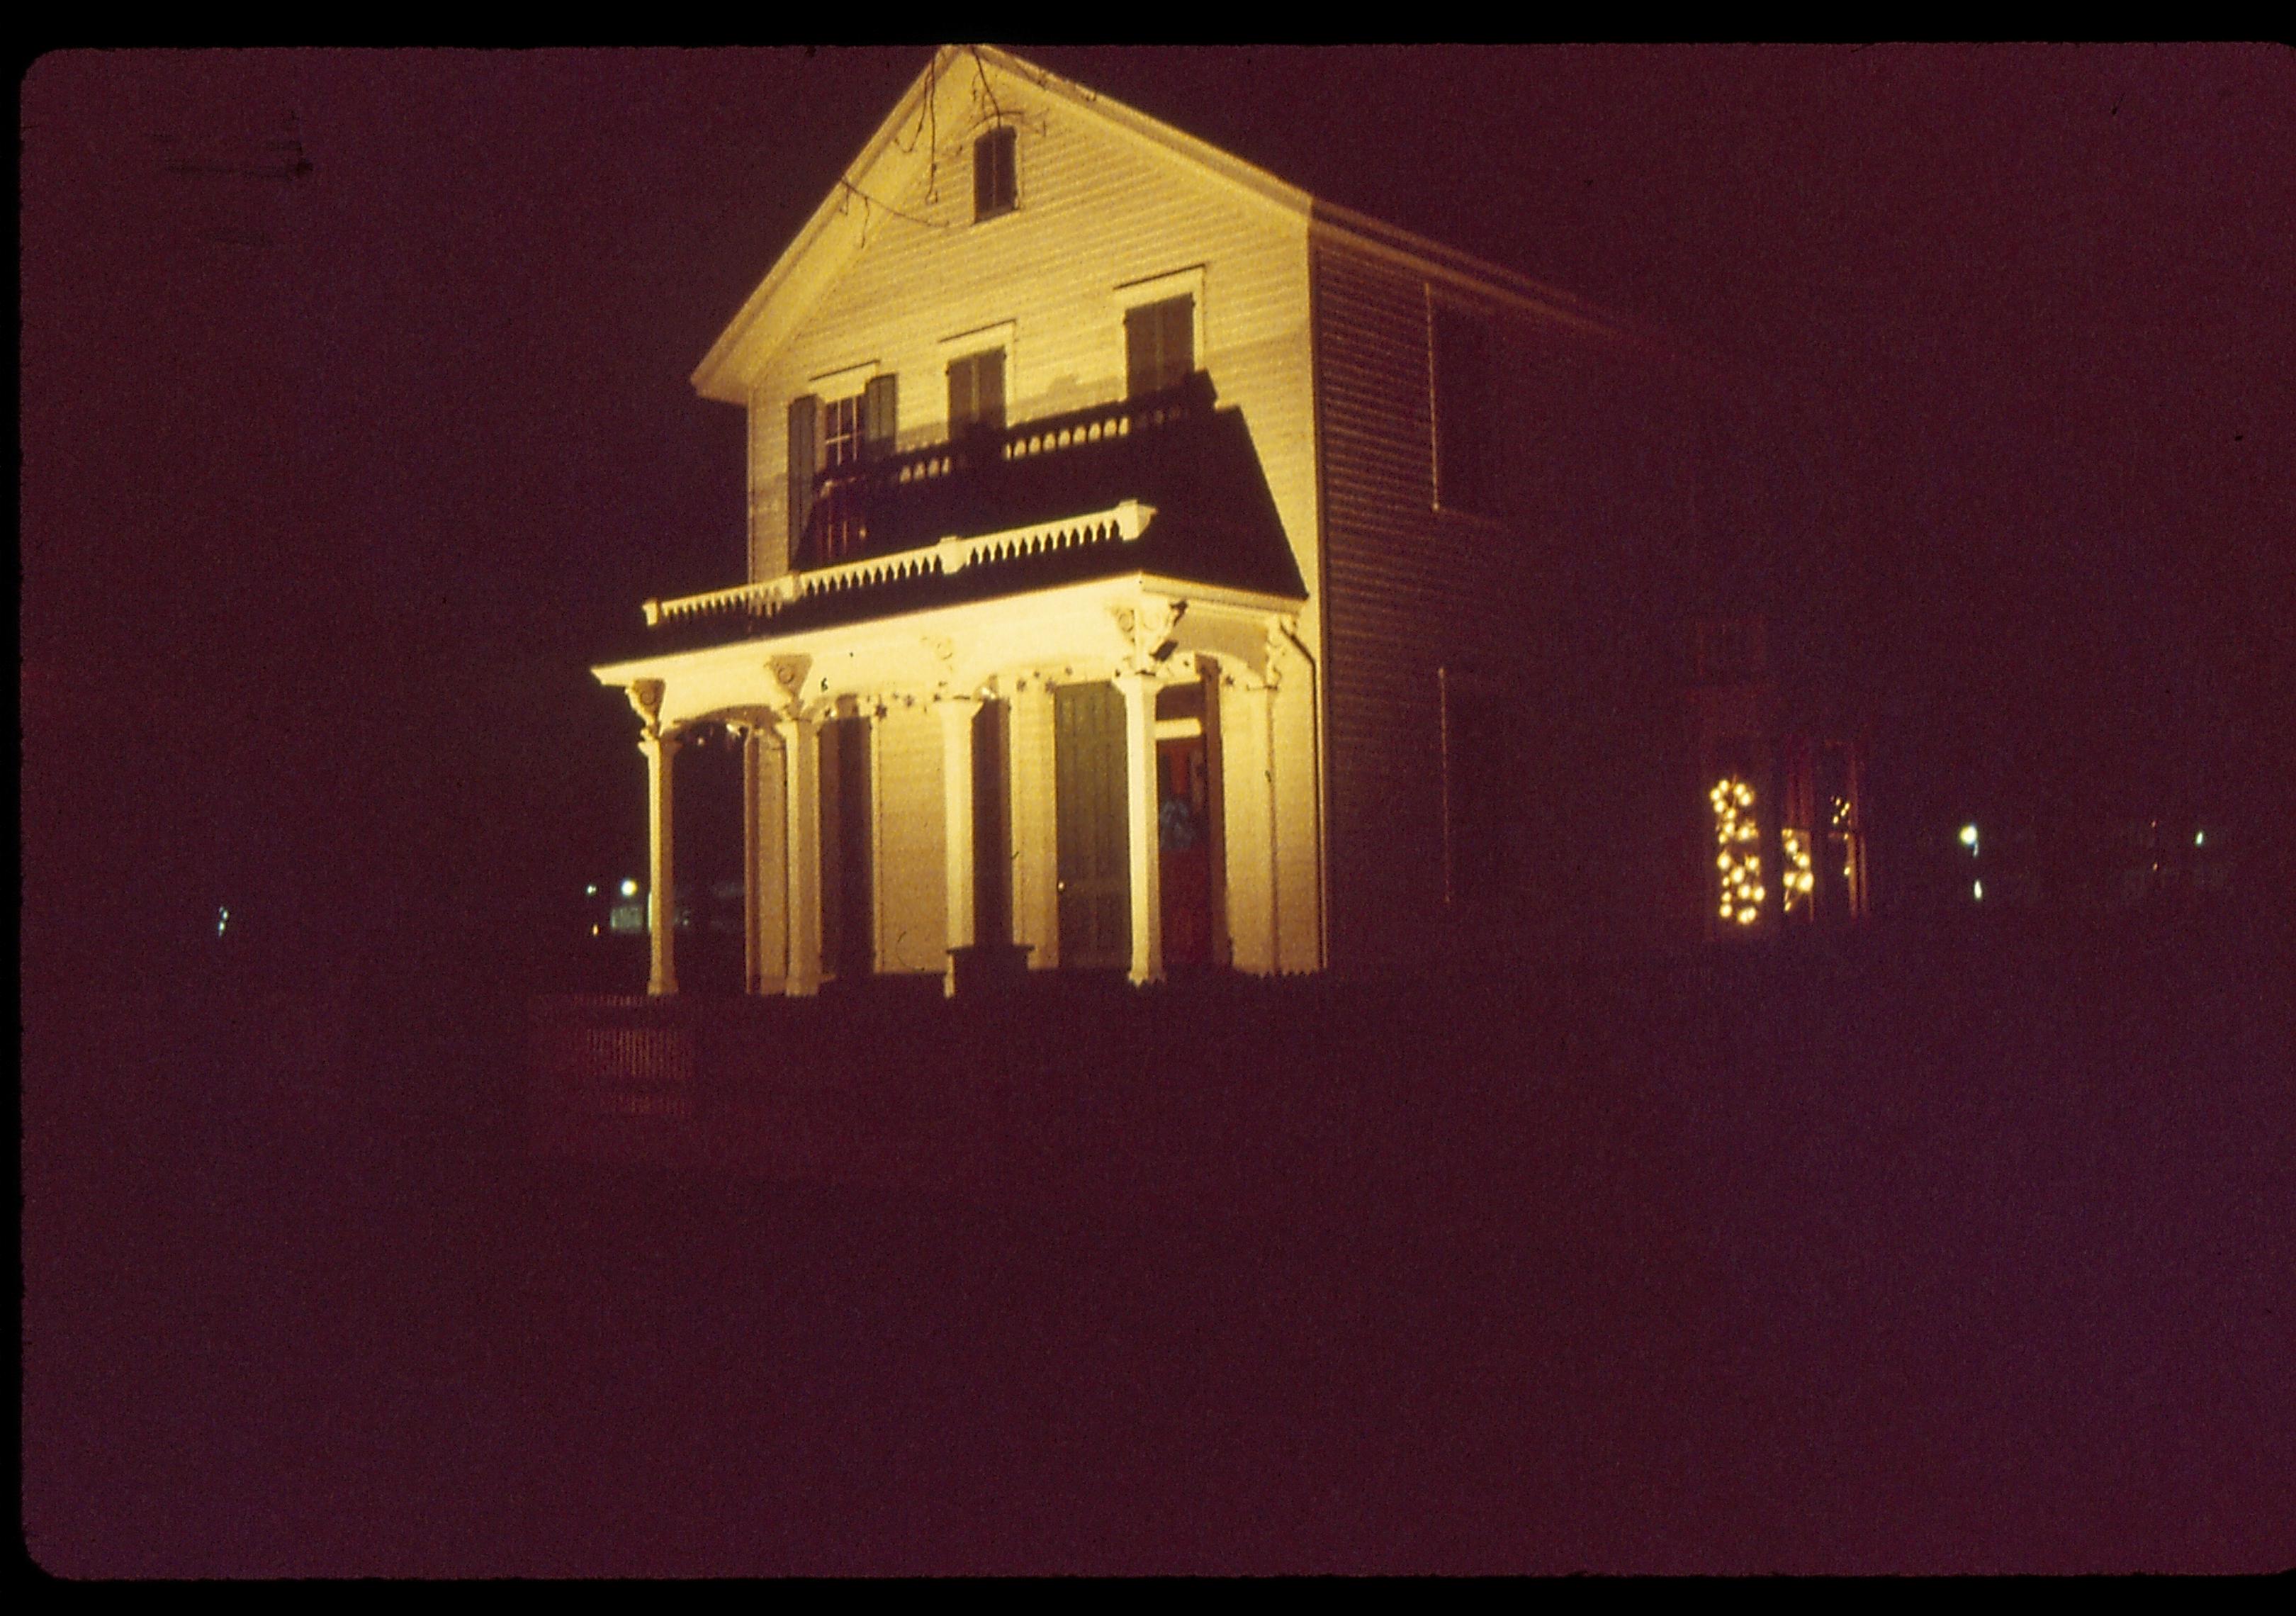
<point>1737,855</point>
<point>1461,366</point>
<point>1160,345</point>
<point>1801,878</point>
<point>976,393</point>
<point>994,190</point>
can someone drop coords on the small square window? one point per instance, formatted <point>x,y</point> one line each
<point>995,189</point>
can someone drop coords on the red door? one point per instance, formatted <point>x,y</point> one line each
<point>1185,843</point>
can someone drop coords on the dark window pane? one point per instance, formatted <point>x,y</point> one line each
<point>993,188</point>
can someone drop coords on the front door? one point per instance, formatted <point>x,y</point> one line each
<point>1089,780</point>
<point>1183,820</point>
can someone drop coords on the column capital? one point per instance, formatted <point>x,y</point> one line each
<point>957,709</point>
<point>1146,627</point>
<point>661,742</point>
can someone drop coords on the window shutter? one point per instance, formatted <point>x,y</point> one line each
<point>1159,341</point>
<point>960,396</point>
<point>988,385</point>
<point>804,424</point>
<point>1139,352</point>
<point>1179,339</point>
<point>880,417</point>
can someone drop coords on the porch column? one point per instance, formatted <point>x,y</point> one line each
<point>957,716</point>
<point>659,746</point>
<point>1141,826</point>
<point>801,776</point>
<point>751,884</point>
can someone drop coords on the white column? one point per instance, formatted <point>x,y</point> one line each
<point>957,716</point>
<point>802,863</point>
<point>1140,795</point>
<point>1275,826</point>
<point>1249,826</point>
<point>659,746</point>
<point>751,885</point>
<point>1035,851</point>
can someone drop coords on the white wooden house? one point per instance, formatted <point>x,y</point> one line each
<point>1152,566</point>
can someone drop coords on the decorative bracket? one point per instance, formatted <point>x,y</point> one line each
<point>1146,630</point>
<point>645,701</point>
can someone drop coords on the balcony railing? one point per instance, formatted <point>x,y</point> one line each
<point>845,498</point>
<point>756,605</point>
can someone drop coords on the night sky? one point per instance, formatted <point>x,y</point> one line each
<point>337,478</point>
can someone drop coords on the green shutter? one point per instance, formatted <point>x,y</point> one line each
<point>804,427</point>
<point>880,417</point>
<point>1139,352</point>
<point>989,383</point>
<point>976,393</point>
<point>1160,343</point>
<point>1179,334</point>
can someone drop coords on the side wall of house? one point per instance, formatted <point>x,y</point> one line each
<point>1550,617</point>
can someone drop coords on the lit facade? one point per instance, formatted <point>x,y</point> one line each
<point>1153,567</point>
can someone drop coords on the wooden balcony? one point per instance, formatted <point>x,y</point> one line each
<point>902,501</point>
<point>749,609</point>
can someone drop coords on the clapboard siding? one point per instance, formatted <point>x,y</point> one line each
<point>1561,598</point>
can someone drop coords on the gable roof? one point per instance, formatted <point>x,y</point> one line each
<point>832,236</point>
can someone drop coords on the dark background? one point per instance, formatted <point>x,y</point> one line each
<point>337,478</point>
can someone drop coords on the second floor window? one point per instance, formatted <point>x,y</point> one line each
<point>830,440</point>
<point>976,393</point>
<point>994,187</point>
<point>1464,441</point>
<point>1159,346</point>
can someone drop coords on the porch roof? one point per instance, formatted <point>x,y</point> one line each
<point>1210,520</point>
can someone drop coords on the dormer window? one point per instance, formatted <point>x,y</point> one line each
<point>994,180</point>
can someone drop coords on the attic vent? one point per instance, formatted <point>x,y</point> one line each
<point>993,190</point>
